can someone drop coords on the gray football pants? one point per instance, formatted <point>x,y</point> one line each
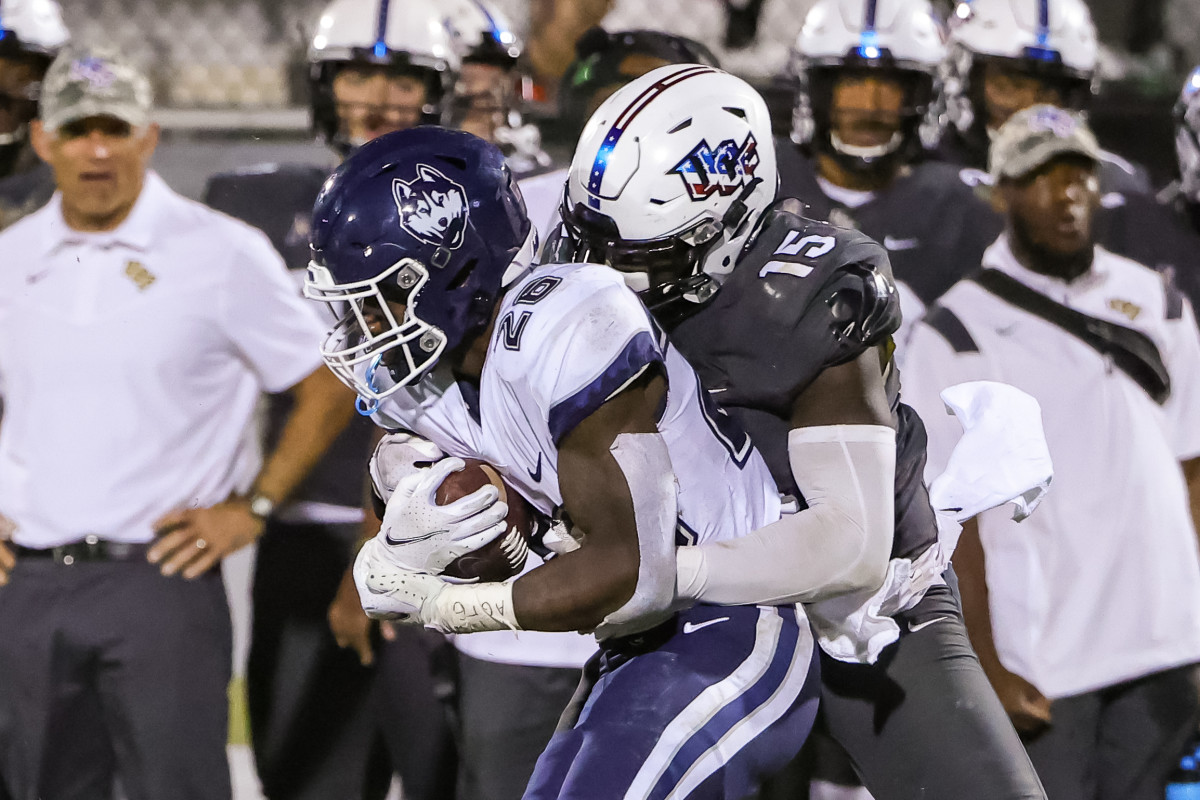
<point>923,723</point>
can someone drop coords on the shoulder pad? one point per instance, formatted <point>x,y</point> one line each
<point>838,275</point>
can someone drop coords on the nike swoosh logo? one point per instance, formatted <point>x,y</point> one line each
<point>536,474</point>
<point>692,627</point>
<point>387,537</point>
<point>892,243</point>
<point>914,628</point>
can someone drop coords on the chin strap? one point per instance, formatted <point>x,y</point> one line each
<point>867,151</point>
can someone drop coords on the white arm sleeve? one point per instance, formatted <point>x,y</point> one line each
<point>841,543</point>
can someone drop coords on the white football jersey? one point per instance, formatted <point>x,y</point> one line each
<point>568,338</point>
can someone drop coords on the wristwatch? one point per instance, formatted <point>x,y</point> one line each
<point>261,506</point>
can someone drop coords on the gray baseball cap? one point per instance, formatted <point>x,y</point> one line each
<point>1034,135</point>
<point>91,82</point>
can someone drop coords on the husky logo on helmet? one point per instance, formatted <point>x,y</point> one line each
<point>432,207</point>
<point>723,169</point>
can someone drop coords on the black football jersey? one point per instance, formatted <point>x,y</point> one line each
<point>1138,227</point>
<point>278,200</point>
<point>22,193</point>
<point>934,219</point>
<point>807,295</point>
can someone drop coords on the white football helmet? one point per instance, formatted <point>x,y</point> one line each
<point>1187,136</point>
<point>33,31</point>
<point>36,26</point>
<point>484,33</point>
<point>903,37</point>
<point>1054,40</point>
<point>410,36</point>
<point>669,178</point>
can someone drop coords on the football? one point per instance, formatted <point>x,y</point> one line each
<point>505,556</point>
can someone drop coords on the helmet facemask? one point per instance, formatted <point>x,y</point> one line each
<point>918,119</point>
<point>1187,137</point>
<point>370,334</point>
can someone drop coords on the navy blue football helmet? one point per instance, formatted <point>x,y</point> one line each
<point>427,218</point>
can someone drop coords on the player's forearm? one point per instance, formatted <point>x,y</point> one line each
<point>321,410</point>
<point>1191,473</point>
<point>840,543</point>
<point>970,566</point>
<point>572,592</point>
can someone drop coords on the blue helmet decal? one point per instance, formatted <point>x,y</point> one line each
<point>432,207</point>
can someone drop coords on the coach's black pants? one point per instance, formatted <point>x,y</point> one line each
<point>108,668</point>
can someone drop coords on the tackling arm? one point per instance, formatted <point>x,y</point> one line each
<point>842,451</point>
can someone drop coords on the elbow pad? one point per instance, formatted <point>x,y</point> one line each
<point>840,543</point>
<point>644,460</point>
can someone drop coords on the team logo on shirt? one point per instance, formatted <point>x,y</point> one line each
<point>722,169</point>
<point>1125,307</point>
<point>432,207</point>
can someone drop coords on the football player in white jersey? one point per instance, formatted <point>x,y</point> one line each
<point>559,379</point>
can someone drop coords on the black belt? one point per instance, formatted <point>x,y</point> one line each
<point>91,549</point>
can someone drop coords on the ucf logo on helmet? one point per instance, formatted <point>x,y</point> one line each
<point>432,207</point>
<point>722,169</point>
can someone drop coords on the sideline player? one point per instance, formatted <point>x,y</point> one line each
<point>869,101</point>
<point>1006,55</point>
<point>559,379</point>
<point>786,320</point>
<point>31,33</point>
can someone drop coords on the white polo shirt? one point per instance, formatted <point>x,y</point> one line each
<point>1102,583</point>
<point>131,362</point>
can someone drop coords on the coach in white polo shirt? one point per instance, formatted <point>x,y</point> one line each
<point>1086,616</point>
<point>137,331</point>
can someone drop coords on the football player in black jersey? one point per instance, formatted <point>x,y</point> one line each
<point>788,321</point>
<point>1006,55</point>
<point>868,101</point>
<point>1184,195</point>
<point>316,712</point>
<point>1163,232</point>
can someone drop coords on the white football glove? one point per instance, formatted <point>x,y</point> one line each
<point>390,592</point>
<point>420,535</point>
<point>396,457</point>
<point>406,596</point>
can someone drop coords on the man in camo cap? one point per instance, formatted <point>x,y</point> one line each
<point>1093,659</point>
<point>1037,135</point>
<point>171,320</point>
<point>91,92</point>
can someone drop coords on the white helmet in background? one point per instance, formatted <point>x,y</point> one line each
<point>491,93</point>
<point>32,27</point>
<point>31,31</point>
<point>484,33</point>
<point>669,179</point>
<point>411,37</point>
<point>1053,40</point>
<point>1187,136</point>
<point>902,38</point>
